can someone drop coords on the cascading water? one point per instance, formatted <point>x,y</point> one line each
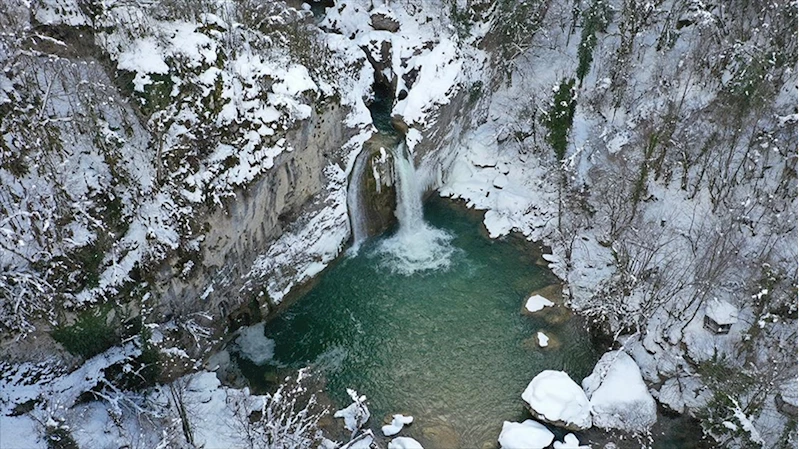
<point>416,246</point>
<point>355,203</point>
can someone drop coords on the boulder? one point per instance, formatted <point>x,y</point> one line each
<point>526,435</point>
<point>619,398</point>
<point>383,22</point>
<point>553,397</point>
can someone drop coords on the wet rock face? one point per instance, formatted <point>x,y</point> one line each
<point>378,184</point>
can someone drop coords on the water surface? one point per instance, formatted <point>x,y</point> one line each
<point>449,347</point>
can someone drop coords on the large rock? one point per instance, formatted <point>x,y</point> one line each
<point>526,435</point>
<point>553,397</point>
<point>619,397</point>
<point>385,23</point>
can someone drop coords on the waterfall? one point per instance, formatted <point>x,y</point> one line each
<point>409,196</point>
<point>356,204</point>
<point>416,246</point>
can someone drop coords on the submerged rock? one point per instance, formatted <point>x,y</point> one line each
<point>553,397</point>
<point>619,398</point>
<point>441,435</point>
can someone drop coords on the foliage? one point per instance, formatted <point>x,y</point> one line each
<point>58,437</point>
<point>558,120</point>
<point>90,335</point>
<point>595,19</point>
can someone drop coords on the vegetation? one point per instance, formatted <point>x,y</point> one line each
<point>90,335</point>
<point>560,117</point>
<point>595,19</point>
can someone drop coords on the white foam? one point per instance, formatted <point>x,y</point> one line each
<point>416,246</point>
<point>254,345</point>
<point>427,249</point>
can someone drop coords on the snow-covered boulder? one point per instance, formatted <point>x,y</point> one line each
<point>397,422</point>
<point>536,303</point>
<point>552,396</point>
<point>404,443</point>
<point>569,442</point>
<point>543,340</point>
<point>722,312</point>
<point>356,414</point>
<point>527,435</point>
<point>619,397</point>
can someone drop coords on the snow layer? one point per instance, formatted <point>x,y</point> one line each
<point>722,312</point>
<point>536,303</point>
<point>527,435</point>
<point>404,443</point>
<point>397,422</point>
<point>555,397</point>
<point>619,397</point>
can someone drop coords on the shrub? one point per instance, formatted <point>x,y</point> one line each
<point>89,336</point>
<point>560,116</point>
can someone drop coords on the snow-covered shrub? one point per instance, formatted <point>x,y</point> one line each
<point>285,419</point>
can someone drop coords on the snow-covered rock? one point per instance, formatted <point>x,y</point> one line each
<point>356,414</point>
<point>554,397</point>
<point>536,303</point>
<point>682,394</point>
<point>543,340</point>
<point>619,397</point>
<point>397,422</point>
<point>362,441</point>
<point>404,443</point>
<point>569,442</point>
<point>501,181</point>
<point>527,435</point>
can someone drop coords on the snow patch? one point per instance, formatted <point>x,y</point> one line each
<point>536,303</point>
<point>397,422</point>
<point>404,443</point>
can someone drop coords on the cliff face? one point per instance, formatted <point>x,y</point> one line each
<point>151,153</point>
<point>249,223</point>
